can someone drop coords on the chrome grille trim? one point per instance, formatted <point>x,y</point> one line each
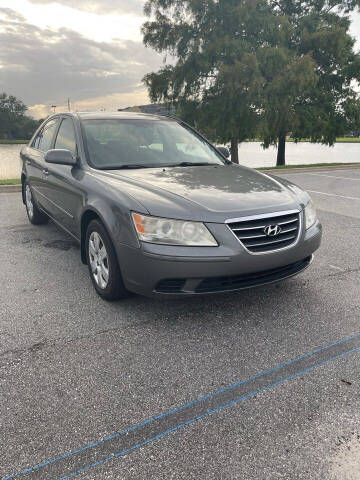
<point>258,243</point>
<point>272,241</point>
<point>260,216</point>
<point>260,226</point>
<point>246,237</point>
<point>284,223</point>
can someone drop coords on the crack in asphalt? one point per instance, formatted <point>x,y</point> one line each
<point>39,346</point>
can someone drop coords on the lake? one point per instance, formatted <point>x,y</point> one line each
<point>251,154</point>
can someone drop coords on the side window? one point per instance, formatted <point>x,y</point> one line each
<point>36,141</point>
<point>66,136</point>
<point>47,135</point>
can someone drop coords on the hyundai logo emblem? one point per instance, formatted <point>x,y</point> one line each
<point>272,230</point>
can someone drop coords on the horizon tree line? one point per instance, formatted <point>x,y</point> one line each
<point>14,123</point>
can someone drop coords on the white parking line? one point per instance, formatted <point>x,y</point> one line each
<point>333,195</point>
<point>333,176</point>
<point>336,268</point>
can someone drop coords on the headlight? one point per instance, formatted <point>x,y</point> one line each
<point>310,215</point>
<point>172,232</point>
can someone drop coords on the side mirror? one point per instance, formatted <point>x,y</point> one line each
<point>60,156</point>
<point>224,151</point>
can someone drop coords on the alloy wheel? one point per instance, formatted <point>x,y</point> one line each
<point>29,201</point>
<point>99,261</point>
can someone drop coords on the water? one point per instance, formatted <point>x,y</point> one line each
<point>10,161</point>
<point>251,154</point>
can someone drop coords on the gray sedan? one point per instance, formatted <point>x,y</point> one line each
<point>158,210</point>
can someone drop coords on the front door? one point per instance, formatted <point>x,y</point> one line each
<point>62,183</point>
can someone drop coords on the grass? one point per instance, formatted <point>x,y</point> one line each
<point>5,141</point>
<point>338,140</point>
<point>348,140</point>
<point>10,181</point>
<point>304,165</point>
<point>291,140</point>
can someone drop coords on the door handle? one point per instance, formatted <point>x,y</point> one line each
<point>45,172</point>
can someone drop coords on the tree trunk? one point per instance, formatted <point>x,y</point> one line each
<point>281,150</point>
<point>234,149</point>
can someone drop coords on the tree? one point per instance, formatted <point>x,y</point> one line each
<point>242,66</point>
<point>230,97</point>
<point>13,121</point>
<point>216,81</point>
<point>308,88</point>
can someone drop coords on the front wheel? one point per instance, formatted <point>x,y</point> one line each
<point>36,216</point>
<point>102,262</point>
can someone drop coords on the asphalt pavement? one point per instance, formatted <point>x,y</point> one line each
<point>260,384</point>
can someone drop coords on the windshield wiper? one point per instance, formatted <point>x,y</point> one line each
<point>191,164</point>
<point>128,166</point>
<point>160,165</point>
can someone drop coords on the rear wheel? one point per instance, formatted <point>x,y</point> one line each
<point>36,216</point>
<point>102,262</point>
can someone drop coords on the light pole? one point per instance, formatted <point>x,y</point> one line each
<point>54,107</point>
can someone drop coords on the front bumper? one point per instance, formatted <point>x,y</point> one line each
<point>158,270</point>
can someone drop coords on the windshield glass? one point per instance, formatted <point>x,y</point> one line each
<point>117,143</point>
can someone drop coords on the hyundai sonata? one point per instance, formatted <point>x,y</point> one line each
<point>158,210</point>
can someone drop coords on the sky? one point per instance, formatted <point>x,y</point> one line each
<point>90,51</point>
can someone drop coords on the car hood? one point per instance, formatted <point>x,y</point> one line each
<point>212,193</point>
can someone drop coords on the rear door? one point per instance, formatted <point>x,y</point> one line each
<point>63,181</point>
<point>35,162</point>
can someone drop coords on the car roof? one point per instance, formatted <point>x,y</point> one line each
<point>120,115</point>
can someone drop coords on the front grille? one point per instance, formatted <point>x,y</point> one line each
<point>223,284</point>
<point>250,231</point>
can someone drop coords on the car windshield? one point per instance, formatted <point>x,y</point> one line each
<point>117,143</point>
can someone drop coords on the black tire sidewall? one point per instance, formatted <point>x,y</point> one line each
<point>115,288</point>
<point>38,217</point>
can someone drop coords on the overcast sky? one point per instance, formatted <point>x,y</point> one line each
<point>88,50</point>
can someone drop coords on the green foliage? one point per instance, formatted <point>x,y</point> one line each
<point>216,81</point>
<point>10,181</point>
<point>241,68</point>
<point>14,124</point>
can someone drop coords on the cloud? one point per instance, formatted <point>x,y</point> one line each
<point>10,14</point>
<point>355,27</point>
<point>46,66</point>
<point>100,6</point>
<point>108,102</point>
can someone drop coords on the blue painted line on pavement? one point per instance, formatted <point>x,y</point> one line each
<point>177,409</point>
<point>204,415</point>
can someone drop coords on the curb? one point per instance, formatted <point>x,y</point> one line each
<point>276,171</point>
<point>10,188</point>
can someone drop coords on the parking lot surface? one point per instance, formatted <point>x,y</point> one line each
<point>259,384</point>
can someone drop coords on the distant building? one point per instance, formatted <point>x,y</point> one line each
<point>153,108</point>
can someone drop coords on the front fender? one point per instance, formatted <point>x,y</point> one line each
<point>115,217</point>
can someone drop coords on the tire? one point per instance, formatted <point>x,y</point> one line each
<point>102,262</point>
<point>35,215</point>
